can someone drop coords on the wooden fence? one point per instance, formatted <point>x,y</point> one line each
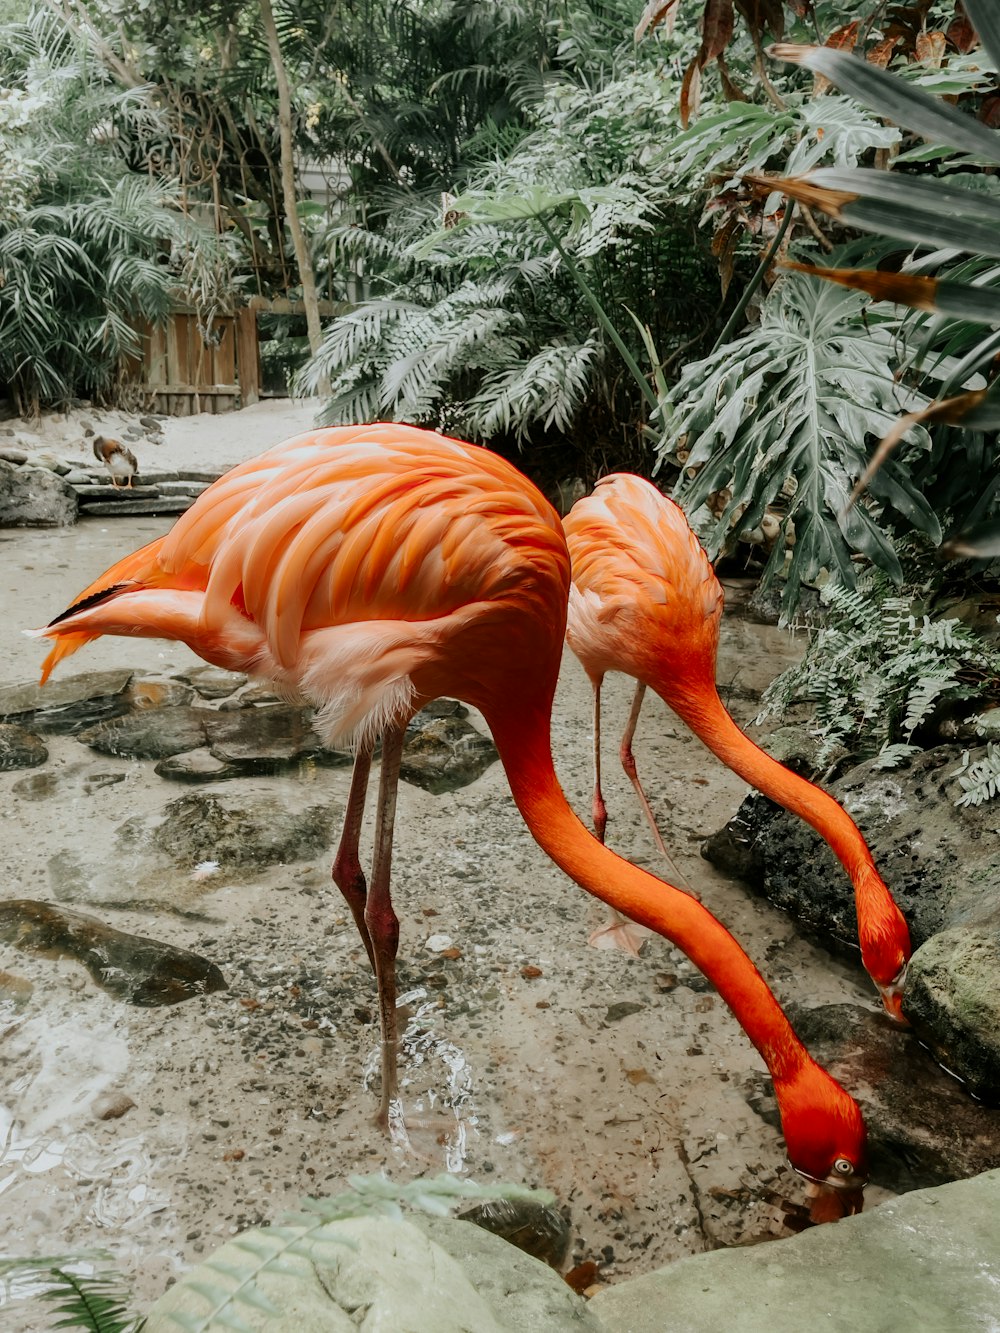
<point>183,372</point>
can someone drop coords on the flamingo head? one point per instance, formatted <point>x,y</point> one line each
<point>827,1142</point>
<point>892,997</point>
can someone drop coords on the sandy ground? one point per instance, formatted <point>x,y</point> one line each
<point>616,1083</point>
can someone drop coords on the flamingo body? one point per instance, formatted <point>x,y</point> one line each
<point>645,601</point>
<point>373,568</point>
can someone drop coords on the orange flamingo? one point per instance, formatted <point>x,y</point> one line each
<point>645,600</point>
<point>372,569</point>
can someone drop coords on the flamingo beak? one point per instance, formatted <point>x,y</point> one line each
<point>892,998</point>
<point>831,1202</point>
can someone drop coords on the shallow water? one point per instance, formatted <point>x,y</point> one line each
<point>620,1084</point>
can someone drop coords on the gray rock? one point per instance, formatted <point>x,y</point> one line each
<point>36,786</point>
<point>158,692</point>
<point>421,1276</point>
<point>538,1229</point>
<point>11,454</point>
<point>33,497</point>
<point>267,740</point>
<point>131,967</point>
<point>150,734</point>
<point>927,1260</point>
<point>941,861</point>
<point>444,753</point>
<point>198,765</point>
<point>66,706</point>
<point>953,1001</point>
<point>214,683</point>
<point>240,830</point>
<point>20,748</point>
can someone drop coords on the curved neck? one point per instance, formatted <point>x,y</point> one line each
<point>524,745</point>
<point>879,918</point>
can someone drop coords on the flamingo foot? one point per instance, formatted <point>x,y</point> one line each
<point>621,934</point>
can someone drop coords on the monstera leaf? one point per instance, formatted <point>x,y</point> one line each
<point>787,414</point>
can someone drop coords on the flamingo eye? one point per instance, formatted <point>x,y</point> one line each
<point>843,1167</point>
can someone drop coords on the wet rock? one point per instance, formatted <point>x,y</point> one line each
<point>149,734</point>
<point>927,1260</point>
<point>20,748</point>
<point>34,497</point>
<point>112,1105</point>
<point>941,861</point>
<point>65,707</point>
<point>444,753</point>
<point>268,740</point>
<point>36,787</point>
<point>924,1128</point>
<point>241,830</point>
<point>158,692</point>
<point>198,765</point>
<point>15,992</point>
<point>953,1001</point>
<point>537,1229</point>
<point>133,968</point>
<point>425,1275</point>
<point>214,683</point>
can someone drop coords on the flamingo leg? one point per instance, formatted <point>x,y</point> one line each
<point>628,764</point>
<point>380,919</point>
<point>618,932</point>
<point>347,872</point>
<point>599,810</point>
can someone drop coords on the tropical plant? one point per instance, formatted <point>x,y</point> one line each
<point>490,314</point>
<point>940,218</point>
<point>784,416</point>
<point>882,664</point>
<point>88,247</point>
<point>94,1299</point>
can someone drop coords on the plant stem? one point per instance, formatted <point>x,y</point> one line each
<point>602,316</point>
<point>757,278</point>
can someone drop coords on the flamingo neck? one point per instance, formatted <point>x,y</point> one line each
<point>525,750</point>
<point>881,930</point>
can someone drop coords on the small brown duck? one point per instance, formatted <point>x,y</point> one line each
<point>119,460</point>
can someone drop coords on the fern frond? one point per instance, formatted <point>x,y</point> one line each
<point>980,778</point>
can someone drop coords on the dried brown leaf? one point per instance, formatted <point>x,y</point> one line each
<point>903,288</point>
<point>881,52</point>
<point>690,93</point>
<point>929,48</point>
<point>657,13</point>
<point>717,25</point>
<point>802,189</point>
<point>731,91</point>
<point>960,31</point>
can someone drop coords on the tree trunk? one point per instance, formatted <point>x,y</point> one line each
<point>302,256</point>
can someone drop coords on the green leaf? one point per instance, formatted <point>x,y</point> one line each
<point>925,212</point>
<point>892,98</point>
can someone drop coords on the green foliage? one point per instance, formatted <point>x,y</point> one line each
<point>95,1301</point>
<point>88,247</point>
<point>487,314</point>
<point>879,668</point>
<point>980,778</point>
<point>798,398</point>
